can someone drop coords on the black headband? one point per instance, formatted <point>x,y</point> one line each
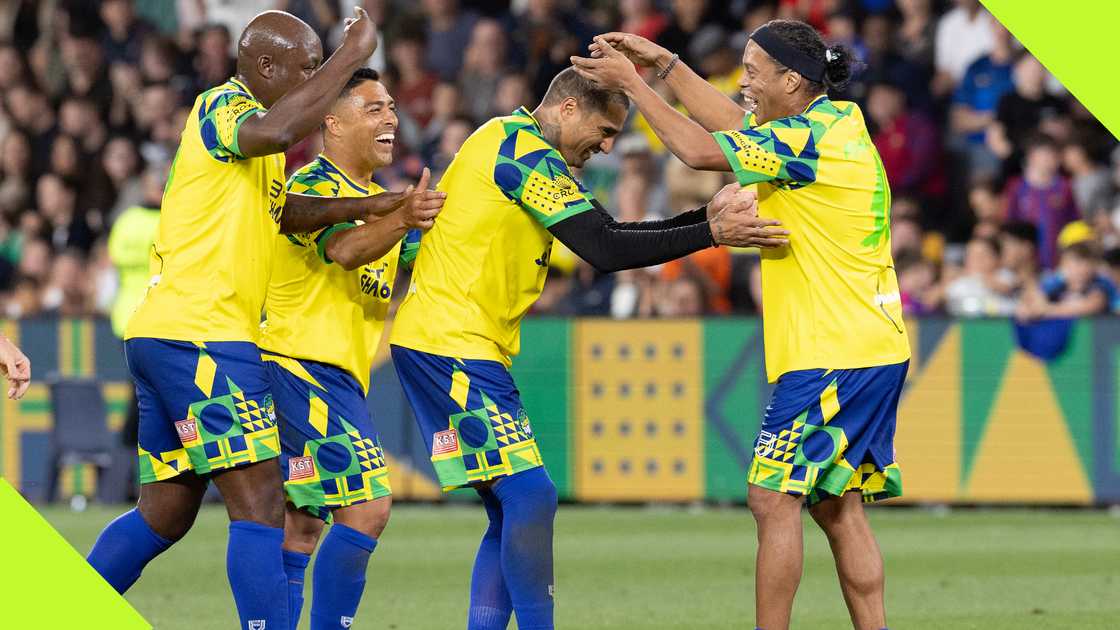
<point>788,56</point>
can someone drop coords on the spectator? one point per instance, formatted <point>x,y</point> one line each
<point>68,294</point>
<point>212,62</point>
<point>1091,182</point>
<point>1023,111</point>
<point>964,34</point>
<point>448,35</point>
<point>917,283</point>
<point>484,65</point>
<point>1043,196</point>
<point>514,90</point>
<point>986,202</point>
<point>711,269</point>
<point>681,297</point>
<point>15,173</point>
<point>130,243</point>
<point>983,289</point>
<point>33,115</point>
<point>1112,272</point>
<point>641,17</point>
<point>65,159</point>
<point>1078,289</point>
<point>976,99</point>
<point>57,203</point>
<point>414,87</point>
<point>890,67</point>
<point>25,298</point>
<point>454,135</point>
<point>686,19</point>
<point>79,119</point>
<point>124,32</point>
<point>915,37</point>
<point>1019,246</point>
<point>907,141</point>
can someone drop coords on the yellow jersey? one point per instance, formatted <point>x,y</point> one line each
<point>220,215</point>
<point>830,299</point>
<point>484,263</point>
<point>315,309</point>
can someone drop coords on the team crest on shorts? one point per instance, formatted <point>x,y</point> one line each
<point>269,408</point>
<point>301,468</point>
<point>445,442</point>
<point>187,430</point>
<point>346,621</point>
<point>764,447</point>
<point>523,420</point>
<point>257,624</point>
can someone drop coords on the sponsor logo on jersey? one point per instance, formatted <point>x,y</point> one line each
<point>187,430</point>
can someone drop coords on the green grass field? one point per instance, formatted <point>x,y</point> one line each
<point>660,568</point>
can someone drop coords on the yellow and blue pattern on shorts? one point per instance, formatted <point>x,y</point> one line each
<point>470,416</point>
<point>331,453</point>
<point>827,432</point>
<point>218,393</point>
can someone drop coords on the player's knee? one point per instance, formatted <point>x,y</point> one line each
<point>370,517</point>
<point>768,505</point>
<point>837,515</point>
<point>265,507</point>
<point>169,524</point>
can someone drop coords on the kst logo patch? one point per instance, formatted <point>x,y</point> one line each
<point>301,468</point>
<point>187,430</point>
<point>445,442</point>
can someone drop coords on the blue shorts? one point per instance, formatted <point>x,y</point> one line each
<point>204,406</point>
<point>827,432</point>
<point>470,417</point>
<point>330,451</point>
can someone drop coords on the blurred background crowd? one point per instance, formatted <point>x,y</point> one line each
<point>1005,189</point>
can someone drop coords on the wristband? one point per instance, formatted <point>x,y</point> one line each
<point>661,74</point>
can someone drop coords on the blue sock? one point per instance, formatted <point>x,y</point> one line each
<point>255,565</point>
<point>339,577</point>
<point>124,548</point>
<point>490,605</point>
<point>295,565</point>
<point>528,501</point>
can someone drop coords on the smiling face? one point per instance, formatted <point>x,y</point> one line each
<point>586,131</point>
<point>764,84</point>
<point>365,120</point>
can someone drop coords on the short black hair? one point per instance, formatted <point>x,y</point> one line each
<point>569,84</point>
<point>360,76</point>
<point>991,242</point>
<point>839,61</point>
<point>1021,231</point>
<point>1112,257</point>
<point>1085,250</point>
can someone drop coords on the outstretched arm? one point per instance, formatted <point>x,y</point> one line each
<point>307,213</point>
<point>301,111</point>
<point>710,107</point>
<point>683,136</point>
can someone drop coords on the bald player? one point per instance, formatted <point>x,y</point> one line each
<point>206,412</point>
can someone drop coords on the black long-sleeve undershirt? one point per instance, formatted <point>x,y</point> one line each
<point>612,246</point>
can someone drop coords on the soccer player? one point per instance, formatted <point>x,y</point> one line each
<point>325,312</point>
<point>834,336</point>
<point>205,408</point>
<point>509,193</point>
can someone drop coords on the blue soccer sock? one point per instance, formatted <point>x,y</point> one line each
<point>339,577</point>
<point>490,605</point>
<point>124,548</point>
<point>528,501</point>
<point>255,565</point>
<point>295,566</point>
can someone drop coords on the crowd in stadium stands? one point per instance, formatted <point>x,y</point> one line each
<point>1005,189</point>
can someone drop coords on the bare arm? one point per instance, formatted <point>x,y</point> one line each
<point>300,111</point>
<point>307,213</point>
<point>710,107</point>
<point>356,246</point>
<point>16,368</point>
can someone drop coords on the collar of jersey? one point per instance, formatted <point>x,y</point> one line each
<point>522,111</point>
<point>346,178</point>
<point>241,86</point>
<point>814,103</point>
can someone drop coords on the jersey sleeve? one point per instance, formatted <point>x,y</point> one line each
<point>314,184</point>
<point>410,247</point>
<point>780,150</point>
<point>534,175</point>
<point>222,115</point>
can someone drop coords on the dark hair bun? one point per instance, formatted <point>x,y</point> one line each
<point>839,66</point>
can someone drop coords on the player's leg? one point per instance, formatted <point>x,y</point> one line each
<point>472,420</point>
<point>340,568</point>
<point>490,607</point>
<point>170,493</point>
<point>859,564</point>
<point>778,564</point>
<point>301,536</point>
<point>528,501</point>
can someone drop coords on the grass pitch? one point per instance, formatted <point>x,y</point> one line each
<point>666,568</point>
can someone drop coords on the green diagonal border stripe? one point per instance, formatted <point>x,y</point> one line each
<point>1074,42</point>
<point>41,569</point>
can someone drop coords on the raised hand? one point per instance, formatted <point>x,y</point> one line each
<point>421,205</point>
<point>360,34</point>
<point>16,368</point>
<point>610,69</point>
<point>637,49</point>
<point>739,225</point>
